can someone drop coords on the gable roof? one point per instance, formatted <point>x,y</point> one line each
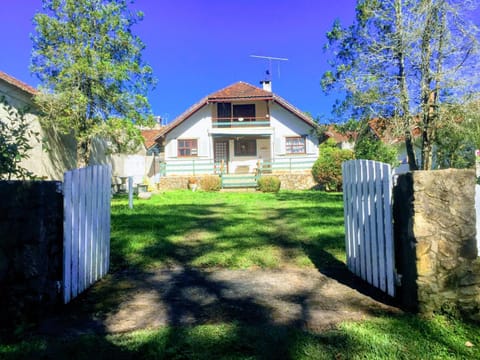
<point>236,92</point>
<point>149,137</point>
<point>17,83</point>
<point>339,136</point>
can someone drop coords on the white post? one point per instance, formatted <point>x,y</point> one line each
<point>130,192</point>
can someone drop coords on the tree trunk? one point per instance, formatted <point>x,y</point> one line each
<point>83,153</point>
<point>426,82</point>
<point>404,98</point>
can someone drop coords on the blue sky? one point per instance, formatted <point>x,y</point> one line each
<point>196,47</point>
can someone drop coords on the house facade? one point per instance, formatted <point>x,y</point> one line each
<point>52,153</point>
<point>237,130</point>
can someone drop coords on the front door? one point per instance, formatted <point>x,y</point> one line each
<point>221,155</point>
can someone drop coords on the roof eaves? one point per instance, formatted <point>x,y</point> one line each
<point>285,104</point>
<point>182,117</point>
<point>17,83</point>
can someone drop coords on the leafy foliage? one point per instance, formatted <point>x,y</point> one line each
<point>211,183</point>
<point>327,169</point>
<point>15,136</point>
<point>458,136</point>
<point>369,147</point>
<point>91,68</point>
<point>403,59</point>
<point>269,184</point>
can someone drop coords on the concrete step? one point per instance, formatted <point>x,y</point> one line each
<point>239,181</point>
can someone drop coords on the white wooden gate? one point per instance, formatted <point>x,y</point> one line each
<point>86,239</point>
<point>477,208</point>
<point>367,195</point>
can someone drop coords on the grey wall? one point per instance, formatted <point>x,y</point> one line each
<point>31,245</point>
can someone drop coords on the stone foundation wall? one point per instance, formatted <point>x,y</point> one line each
<point>31,243</point>
<point>175,182</point>
<point>289,181</point>
<point>296,181</point>
<point>436,251</point>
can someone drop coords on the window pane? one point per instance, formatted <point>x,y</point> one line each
<point>295,145</point>
<point>246,111</point>
<point>187,147</point>
<point>246,147</point>
<point>224,110</point>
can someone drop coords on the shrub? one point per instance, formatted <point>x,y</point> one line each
<point>15,142</point>
<point>211,183</point>
<point>327,169</point>
<point>269,184</point>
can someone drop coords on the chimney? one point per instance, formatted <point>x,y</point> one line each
<point>266,85</point>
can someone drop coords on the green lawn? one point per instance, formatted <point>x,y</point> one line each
<point>239,230</point>
<point>233,230</point>
<point>404,337</point>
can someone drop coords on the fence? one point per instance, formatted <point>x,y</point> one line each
<point>289,164</point>
<point>86,238</point>
<point>367,193</point>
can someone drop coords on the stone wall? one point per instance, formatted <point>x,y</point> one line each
<point>31,242</point>
<point>435,234</point>
<point>296,181</point>
<point>289,181</point>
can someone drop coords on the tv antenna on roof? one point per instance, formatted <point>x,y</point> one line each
<point>270,59</point>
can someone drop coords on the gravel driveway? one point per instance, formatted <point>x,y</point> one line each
<point>305,298</point>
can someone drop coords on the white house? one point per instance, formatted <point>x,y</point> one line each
<point>237,128</point>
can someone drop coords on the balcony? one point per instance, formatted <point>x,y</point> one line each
<point>240,122</point>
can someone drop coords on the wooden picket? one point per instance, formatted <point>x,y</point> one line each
<point>367,195</point>
<point>477,207</point>
<point>86,239</point>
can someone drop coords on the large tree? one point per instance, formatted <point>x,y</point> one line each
<point>403,59</point>
<point>94,80</point>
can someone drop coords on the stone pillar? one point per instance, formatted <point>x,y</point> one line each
<point>436,252</point>
<point>31,248</point>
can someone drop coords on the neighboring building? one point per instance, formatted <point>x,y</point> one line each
<point>52,154</point>
<point>235,129</point>
<point>344,141</point>
<point>390,134</point>
<point>152,147</point>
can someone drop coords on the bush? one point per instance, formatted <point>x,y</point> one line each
<point>269,184</point>
<point>210,183</point>
<point>327,170</point>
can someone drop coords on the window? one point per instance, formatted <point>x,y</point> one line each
<point>246,112</point>
<point>228,111</point>
<point>224,111</point>
<point>295,145</point>
<point>246,147</point>
<point>187,147</point>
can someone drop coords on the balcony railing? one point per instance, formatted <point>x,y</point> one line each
<point>241,122</point>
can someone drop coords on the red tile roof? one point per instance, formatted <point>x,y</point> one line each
<point>340,137</point>
<point>149,137</point>
<point>389,133</point>
<point>17,83</point>
<point>238,91</point>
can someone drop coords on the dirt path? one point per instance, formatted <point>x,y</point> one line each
<point>127,301</point>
